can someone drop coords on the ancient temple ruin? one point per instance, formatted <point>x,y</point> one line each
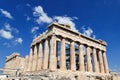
<point>61,48</point>
<point>14,63</point>
<point>62,51</point>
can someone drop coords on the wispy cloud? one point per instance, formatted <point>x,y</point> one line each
<point>34,29</point>
<point>7,44</point>
<point>6,34</point>
<point>28,18</point>
<point>66,20</point>
<point>28,5</point>
<point>9,33</point>
<point>88,32</point>
<point>6,14</point>
<point>115,68</point>
<point>19,40</point>
<point>9,28</point>
<point>42,17</point>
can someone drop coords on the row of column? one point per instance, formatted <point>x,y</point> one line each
<point>49,61</point>
<point>37,60</point>
<point>99,66</point>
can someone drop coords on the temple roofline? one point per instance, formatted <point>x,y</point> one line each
<point>78,33</point>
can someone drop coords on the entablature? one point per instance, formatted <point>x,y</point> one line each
<point>60,30</point>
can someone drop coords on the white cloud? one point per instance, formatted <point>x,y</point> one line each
<point>19,40</point>
<point>9,28</point>
<point>6,14</point>
<point>6,34</point>
<point>42,16</point>
<point>34,29</point>
<point>66,20</point>
<point>88,32</point>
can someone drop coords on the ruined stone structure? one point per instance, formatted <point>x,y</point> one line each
<point>63,54</point>
<point>61,48</point>
<point>14,63</point>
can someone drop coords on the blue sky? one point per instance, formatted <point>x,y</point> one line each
<point>22,20</point>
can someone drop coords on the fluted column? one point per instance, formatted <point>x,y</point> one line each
<point>34,66</point>
<point>81,58</point>
<point>101,62</point>
<point>40,55</point>
<point>95,61</point>
<point>72,56</point>
<point>30,60</point>
<point>89,63</point>
<point>46,54</point>
<point>53,60</point>
<point>63,55</point>
<point>105,63</point>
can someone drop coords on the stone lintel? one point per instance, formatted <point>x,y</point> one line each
<point>78,38</point>
<point>12,56</point>
<point>75,32</point>
<point>41,37</point>
<point>68,33</point>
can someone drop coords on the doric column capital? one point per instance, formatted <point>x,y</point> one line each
<point>35,47</point>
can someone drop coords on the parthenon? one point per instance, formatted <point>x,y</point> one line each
<point>62,49</point>
<point>82,53</point>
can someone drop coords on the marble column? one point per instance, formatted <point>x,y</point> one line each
<point>63,55</point>
<point>26,63</point>
<point>101,62</point>
<point>34,66</point>
<point>81,58</point>
<point>105,63</point>
<point>46,54</point>
<point>53,59</point>
<point>40,55</point>
<point>72,57</point>
<point>89,63</point>
<point>95,61</point>
<point>30,60</point>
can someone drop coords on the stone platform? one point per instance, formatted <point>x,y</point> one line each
<point>66,75</point>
